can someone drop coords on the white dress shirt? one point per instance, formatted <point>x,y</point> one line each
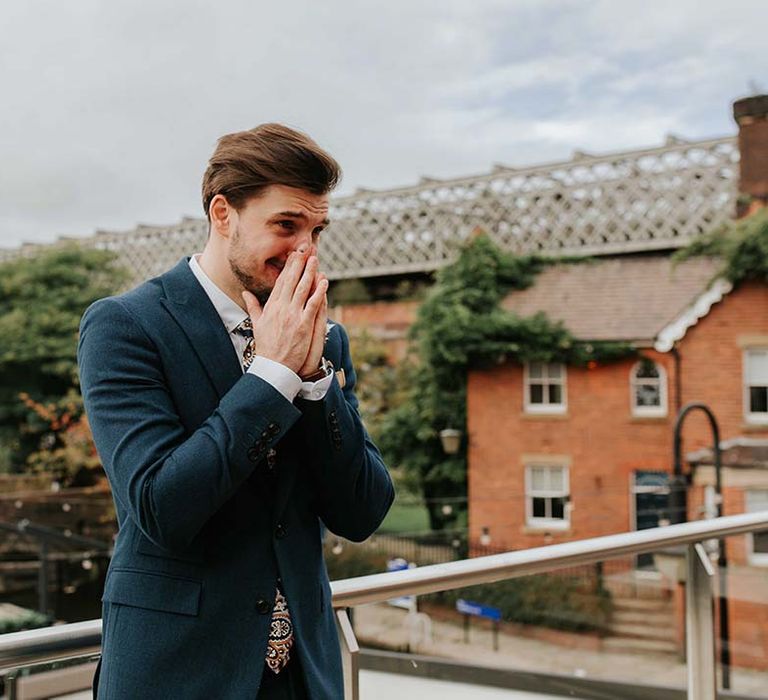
<point>285,380</point>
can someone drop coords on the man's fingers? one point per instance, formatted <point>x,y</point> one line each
<point>318,338</point>
<point>316,298</point>
<point>252,305</point>
<point>321,322</point>
<point>290,276</point>
<point>307,282</point>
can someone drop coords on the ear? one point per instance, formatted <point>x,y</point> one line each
<point>222,216</point>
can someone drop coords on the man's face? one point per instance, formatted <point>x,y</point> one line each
<point>270,227</point>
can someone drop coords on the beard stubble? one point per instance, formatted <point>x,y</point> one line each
<point>253,284</point>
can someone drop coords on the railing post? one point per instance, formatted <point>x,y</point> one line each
<point>11,682</point>
<point>699,625</point>
<point>42,579</point>
<point>350,656</point>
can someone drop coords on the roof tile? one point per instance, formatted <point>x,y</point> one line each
<point>622,299</point>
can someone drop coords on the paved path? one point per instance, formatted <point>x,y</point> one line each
<point>385,686</point>
<point>384,626</point>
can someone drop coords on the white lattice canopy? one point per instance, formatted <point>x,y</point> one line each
<point>654,199</point>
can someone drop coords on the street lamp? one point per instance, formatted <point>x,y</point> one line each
<point>450,439</point>
<point>485,536</point>
<point>679,506</point>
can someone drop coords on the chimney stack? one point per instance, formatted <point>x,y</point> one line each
<point>751,114</point>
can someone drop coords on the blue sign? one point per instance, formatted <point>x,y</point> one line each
<point>468,607</point>
<point>407,602</point>
<point>398,564</point>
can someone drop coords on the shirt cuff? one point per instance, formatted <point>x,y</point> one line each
<point>286,381</point>
<point>316,391</point>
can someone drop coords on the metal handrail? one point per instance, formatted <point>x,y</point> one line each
<point>469,572</point>
<point>16,647</point>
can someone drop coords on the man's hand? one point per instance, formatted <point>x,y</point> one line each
<point>312,363</point>
<point>284,329</point>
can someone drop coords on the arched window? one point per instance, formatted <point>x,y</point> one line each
<point>648,388</point>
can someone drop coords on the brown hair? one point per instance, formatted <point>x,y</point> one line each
<point>247,162</point>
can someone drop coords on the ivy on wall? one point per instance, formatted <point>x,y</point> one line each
<point>461,326</point>
<point>742,245</point>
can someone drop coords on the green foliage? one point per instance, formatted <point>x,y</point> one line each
<point>411,290</point>
<point>352,291</point>
<point>461,326</point>
<point>6,453</point>
<point>66,448</point>
<point>405,517</point>
<point>353,560</point>
<point>41,301</point>
<point>550,600</point>
<point>379,384</point>
<point>25,620</point>
<point>742,246</point>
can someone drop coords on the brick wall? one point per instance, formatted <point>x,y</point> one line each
<point>388,321</point>
<point>600,437</point>
<point>712,362</point>
<point>751,114</point>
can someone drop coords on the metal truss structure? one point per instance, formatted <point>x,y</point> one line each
<point>656,199</point>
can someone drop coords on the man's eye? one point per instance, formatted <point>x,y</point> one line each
<point>286,224</point>
<point>316,233</point>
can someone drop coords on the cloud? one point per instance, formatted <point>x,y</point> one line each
<point>112,109</point>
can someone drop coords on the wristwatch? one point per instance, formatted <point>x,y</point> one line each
<point>325,368</point>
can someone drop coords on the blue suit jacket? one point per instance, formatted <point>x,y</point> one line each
<point>205,525</point>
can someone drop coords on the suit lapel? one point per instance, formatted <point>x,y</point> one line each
<point>191,308</point>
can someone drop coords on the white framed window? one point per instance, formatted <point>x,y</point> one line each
<point>648,389</point>
<point>756,385</point>
<point>545,387</point>
<point>757,542</point>
<point>547,496</point>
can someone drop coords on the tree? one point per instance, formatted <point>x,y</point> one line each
<point>461,326</point>
<point>41,301</point>
<point>379,386</point>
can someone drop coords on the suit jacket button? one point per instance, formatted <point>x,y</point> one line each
<point>273,429</point>
<point>254,454</point>
<point>280,531</point>
<point>263,606</point>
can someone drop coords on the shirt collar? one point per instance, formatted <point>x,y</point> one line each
<point>230,313</point>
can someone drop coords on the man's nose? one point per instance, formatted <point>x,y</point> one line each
<point>304,242</point>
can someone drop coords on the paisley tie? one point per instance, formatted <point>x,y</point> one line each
<point>281,629</point>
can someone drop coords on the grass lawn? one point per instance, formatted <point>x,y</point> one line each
<point>406,517</point>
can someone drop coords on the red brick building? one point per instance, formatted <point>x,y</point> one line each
<point>559,453</point>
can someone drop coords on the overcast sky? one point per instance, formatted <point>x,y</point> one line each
<point>109,110</point>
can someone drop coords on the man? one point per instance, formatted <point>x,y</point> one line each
<point>222,405</point>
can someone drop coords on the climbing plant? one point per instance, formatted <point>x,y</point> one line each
<point>461,326</point>
<point>741,245</point>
